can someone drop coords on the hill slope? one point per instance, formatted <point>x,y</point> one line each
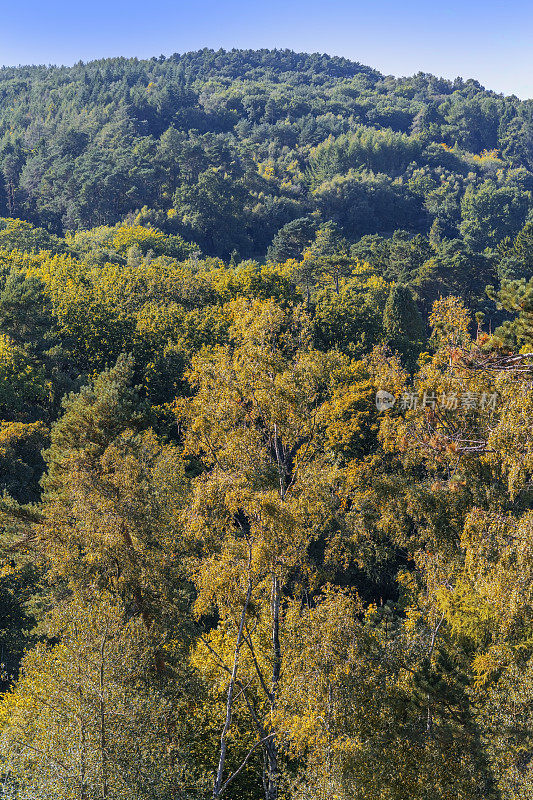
<point>228,147</point>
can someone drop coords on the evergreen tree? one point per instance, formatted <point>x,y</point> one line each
<point>517,297</point>
<point>291,240</point>
<point>402,324</point>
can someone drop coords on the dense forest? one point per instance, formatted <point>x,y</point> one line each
<point>266,438</point>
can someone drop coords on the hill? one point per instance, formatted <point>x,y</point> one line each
<point>226,148</point>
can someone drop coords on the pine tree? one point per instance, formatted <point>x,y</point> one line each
<point>291,239</point>
<point>402,324</point>
<point>517,297</point>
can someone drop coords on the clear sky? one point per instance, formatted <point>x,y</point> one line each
<point>490,41</point>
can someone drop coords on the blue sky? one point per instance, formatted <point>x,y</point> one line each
<point>489,41</point>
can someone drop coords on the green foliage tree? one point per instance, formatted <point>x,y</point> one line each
<point>402,324</point>
<point>491,213</point>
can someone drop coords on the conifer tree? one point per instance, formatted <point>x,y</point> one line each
<point>517,297</point>
<point>402,324</point>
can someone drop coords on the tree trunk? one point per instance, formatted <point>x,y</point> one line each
<point>218,785</point>
<point>271,780</point>
<point>83,743</point>
<point>103,734</point>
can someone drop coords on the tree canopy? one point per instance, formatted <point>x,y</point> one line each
<point>266,450</point>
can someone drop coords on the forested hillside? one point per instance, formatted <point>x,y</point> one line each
<point>266,443</point>
<point>227,148</point>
